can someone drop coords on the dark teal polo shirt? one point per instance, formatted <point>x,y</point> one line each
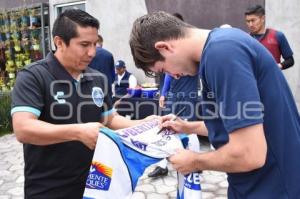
<point>47,90</point>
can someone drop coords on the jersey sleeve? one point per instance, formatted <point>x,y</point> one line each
<point>27,94</point>
<point>230,78</point>
<point>285,48</point>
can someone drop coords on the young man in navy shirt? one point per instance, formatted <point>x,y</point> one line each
<point>248,109</point>
<point>273,40</point>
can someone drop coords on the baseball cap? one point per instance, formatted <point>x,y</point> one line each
<point>120,64</point>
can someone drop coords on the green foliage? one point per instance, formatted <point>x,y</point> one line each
<point>5,118</point>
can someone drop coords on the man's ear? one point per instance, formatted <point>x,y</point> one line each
<point>263,18</point>
<point>163,47</point>
<point>59,43</point>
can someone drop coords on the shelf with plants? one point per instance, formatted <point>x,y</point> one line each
<point>24,39</point>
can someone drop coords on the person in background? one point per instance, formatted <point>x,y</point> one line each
<point>124,79</point>
<point>100,41</point>
<point>104,63</point>
<point>248,109</point>
<point>59,105</point>
<point>176,94</point>
<point>225,26</point>
<point>274,40</point>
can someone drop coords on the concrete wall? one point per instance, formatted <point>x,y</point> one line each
<point>285,16</point>
<point>206,13</point>
<point>116,18</point>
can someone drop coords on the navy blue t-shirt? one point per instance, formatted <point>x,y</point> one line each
<point>180,93</point>
<point>243,86</point>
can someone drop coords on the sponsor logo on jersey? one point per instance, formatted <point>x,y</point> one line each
<point>99,177</point>
<point>138,144</point>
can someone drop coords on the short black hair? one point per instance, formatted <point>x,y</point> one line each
<point>255,10</point>
<point>65,26</point>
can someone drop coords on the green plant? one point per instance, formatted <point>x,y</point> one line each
<point>5,118</point>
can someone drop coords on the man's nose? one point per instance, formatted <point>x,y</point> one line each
<point>92,51</point>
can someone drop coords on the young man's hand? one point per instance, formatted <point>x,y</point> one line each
<point>184,161</point>
<point>178,125</point>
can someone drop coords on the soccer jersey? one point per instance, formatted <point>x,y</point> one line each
<point>122,156</point>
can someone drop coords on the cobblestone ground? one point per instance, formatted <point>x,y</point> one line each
<point>214,184</point>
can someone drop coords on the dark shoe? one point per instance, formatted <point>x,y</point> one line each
<point>158,172</point>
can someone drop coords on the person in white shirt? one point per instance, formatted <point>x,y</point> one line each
<point>124,79</point>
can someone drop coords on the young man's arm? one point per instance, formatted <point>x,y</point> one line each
<point>245,151</point>
<point>188,127</point>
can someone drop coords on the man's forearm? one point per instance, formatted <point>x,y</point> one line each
<point>245,151</point>
<point>223,160</point>
<point>33,131</point>
<point>117,121</point>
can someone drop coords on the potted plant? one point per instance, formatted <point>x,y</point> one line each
<point>25,19</point>
<point>10,68</point>
<point>17,45</point>
<point>5,17</point>
<point>34,18</point>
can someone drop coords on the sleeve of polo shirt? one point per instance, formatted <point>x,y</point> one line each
<point>230,77</point>
<point>27,94</point>
<point>107,105</point>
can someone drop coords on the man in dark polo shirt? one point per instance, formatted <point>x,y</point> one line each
<point>57,106</point>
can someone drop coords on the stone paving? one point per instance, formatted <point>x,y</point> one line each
<point>214,184</point>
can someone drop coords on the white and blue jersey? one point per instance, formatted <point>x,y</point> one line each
<point>122,156</point>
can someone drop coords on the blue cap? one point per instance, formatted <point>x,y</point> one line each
<point>120,64</point>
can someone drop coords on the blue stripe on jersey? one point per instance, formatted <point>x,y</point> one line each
<point>135,161</point>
